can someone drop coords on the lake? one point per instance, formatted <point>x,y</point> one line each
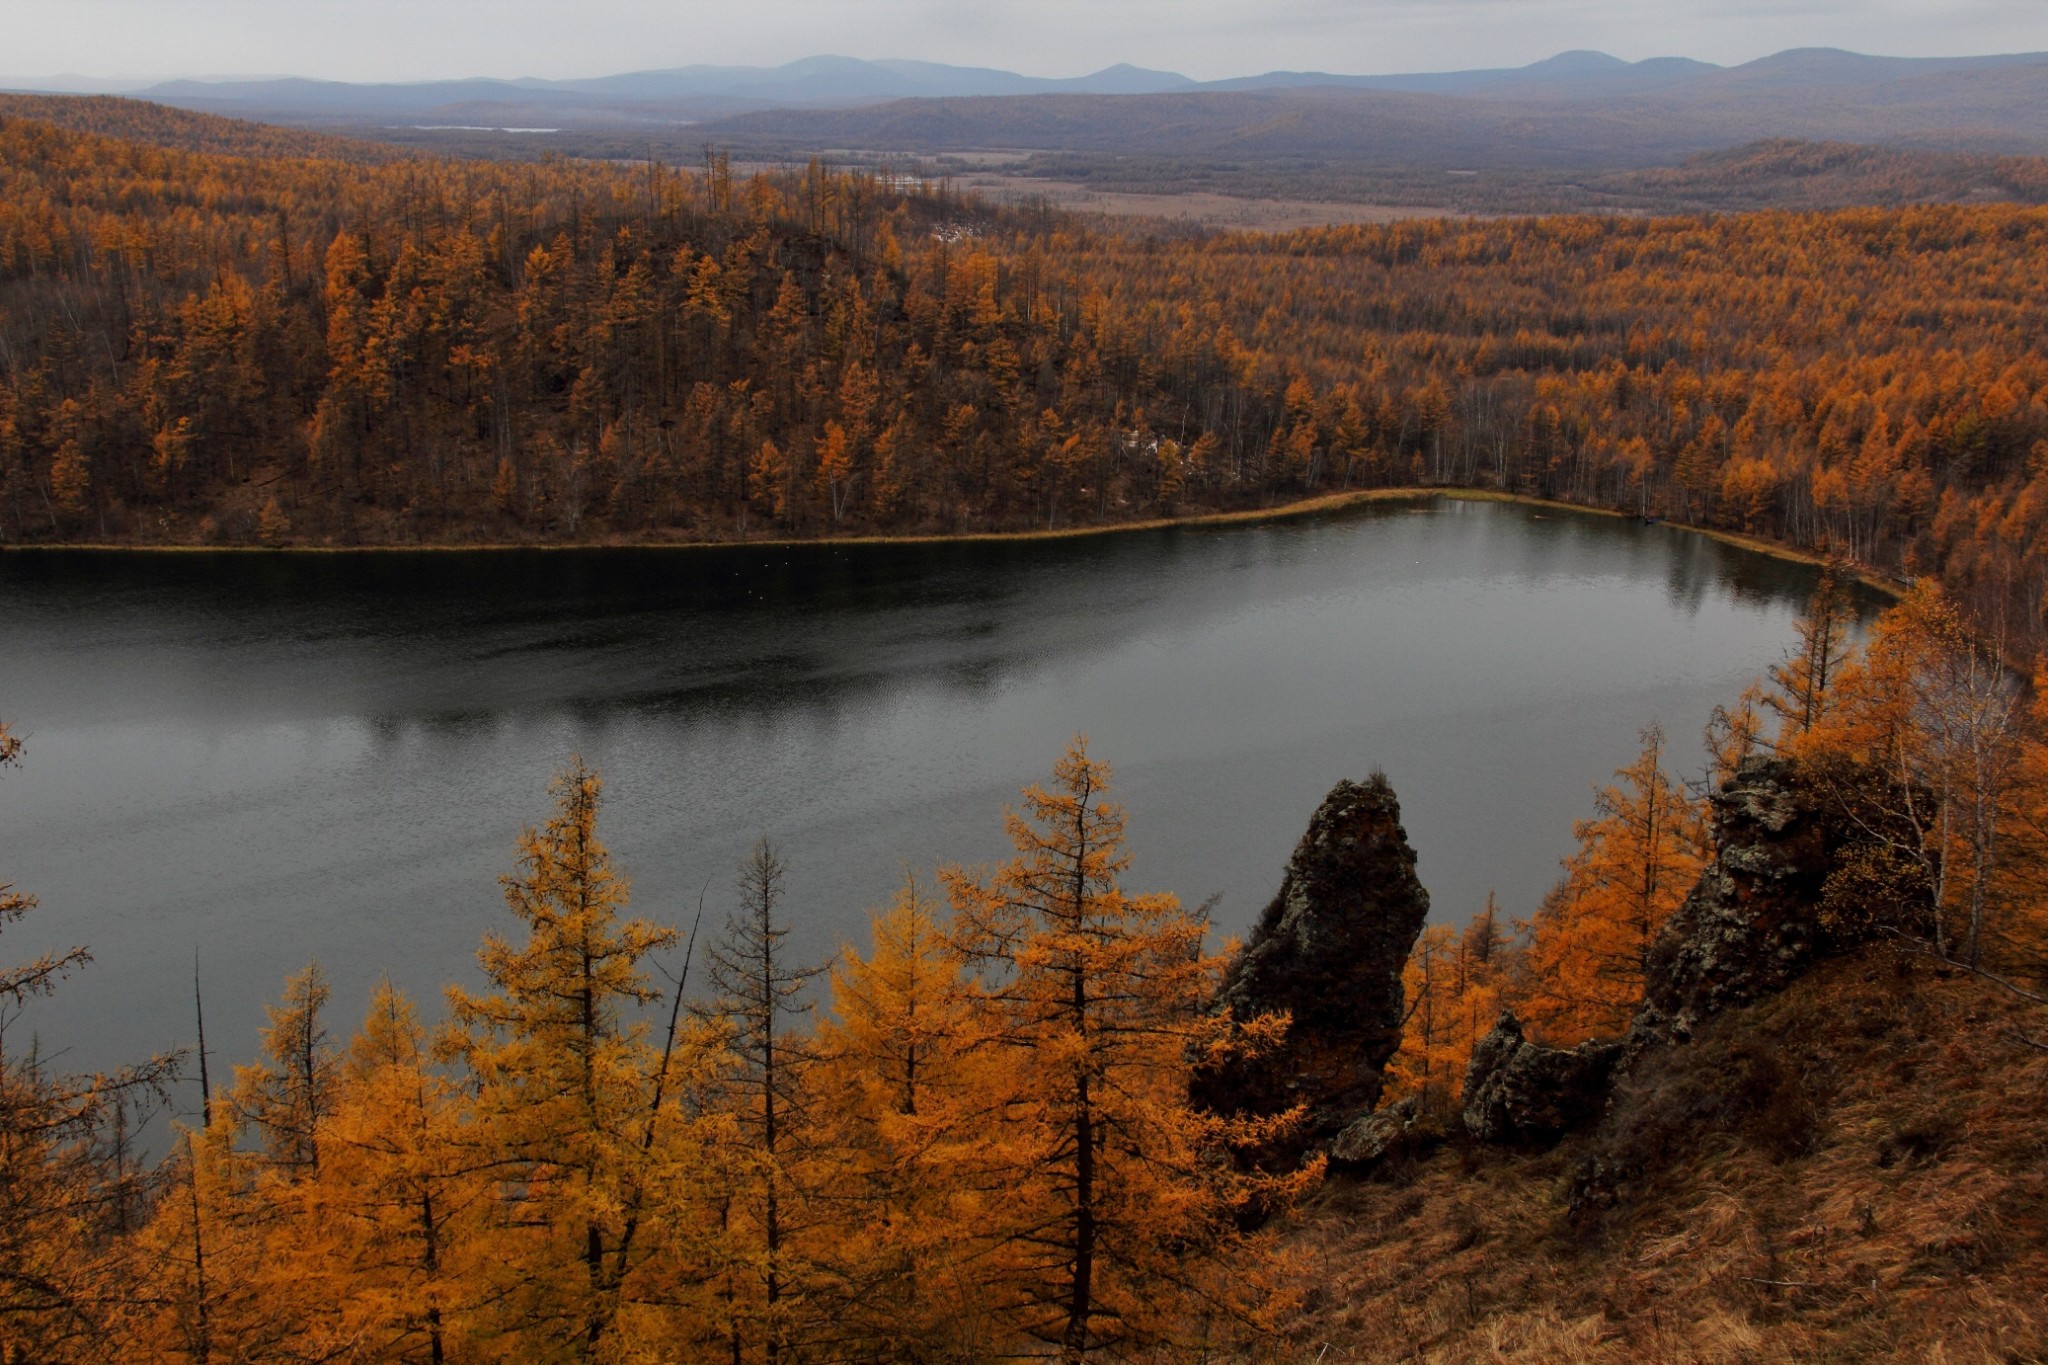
<point>263,758</point>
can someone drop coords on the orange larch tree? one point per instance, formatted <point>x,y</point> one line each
<point>1589,945</point>
<point>1095,1001</point>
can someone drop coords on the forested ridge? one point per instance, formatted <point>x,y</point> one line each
<point>202,348</point>
<point>162,125</point>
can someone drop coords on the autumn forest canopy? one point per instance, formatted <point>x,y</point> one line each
<point>308,347</point>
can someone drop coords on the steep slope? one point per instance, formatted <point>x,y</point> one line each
<point>1854,1170</point>
<point>1815,1140</point>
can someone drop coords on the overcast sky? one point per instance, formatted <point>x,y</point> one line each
<point>422,39</point>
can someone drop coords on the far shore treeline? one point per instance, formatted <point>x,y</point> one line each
<point>311,345</point>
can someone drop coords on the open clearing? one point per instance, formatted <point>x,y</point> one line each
<point>1199,208</point>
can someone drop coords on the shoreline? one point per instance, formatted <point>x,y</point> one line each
<point>1760,545</point>
<point>1321,503</point>
<point>1324,502</point>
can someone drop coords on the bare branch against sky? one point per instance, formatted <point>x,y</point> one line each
<point>422,39</point>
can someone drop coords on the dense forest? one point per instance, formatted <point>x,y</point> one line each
<point>1767,173</point>
<point>291,349</point>
<point>988,1139</point>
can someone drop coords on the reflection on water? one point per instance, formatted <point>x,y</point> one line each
<point>273,757</point>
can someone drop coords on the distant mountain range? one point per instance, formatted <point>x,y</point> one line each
<point>1990,103</point>
<point>1581,130</point>
<point>1575,111</point>
<point>686,93</point>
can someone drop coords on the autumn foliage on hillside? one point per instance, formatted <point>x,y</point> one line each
<point>162,125</point>
<point>1961,818</point>
<point>237,349</point>
<point>632,1142</point>
<point>632,1145</point>
<point>246,349</point>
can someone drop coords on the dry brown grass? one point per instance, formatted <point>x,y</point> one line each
<point>1880,1192</point>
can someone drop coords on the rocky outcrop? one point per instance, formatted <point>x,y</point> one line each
<point>1329,951</point>
<point>1400,1129</point>
<point>1807,864</point>
<point>1521,1093</point>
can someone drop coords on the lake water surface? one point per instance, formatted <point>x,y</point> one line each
<point>266,758</point>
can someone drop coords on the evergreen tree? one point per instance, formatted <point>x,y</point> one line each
<point>288,1094</point>
<point>765,1090</point>
<point>1590,944</point>
<point>565,1078</point>
<point>1095,1005</point>
<point>1933,710</point>
<point>68,1193</point>
<point>384,1241</point>
<point>1806,678</point>
<point>1453,984</point>
<point>900,1081</point>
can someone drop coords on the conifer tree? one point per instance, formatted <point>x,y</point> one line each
<point>19,983</point>
<point>287,1095</point>
<point>1805,680</point>
<point>1453,984</point>
<point>384,1240</point>
<point>68,1275</point>
<point>564,1077</point>
<point>898,1076</point>
<point>1732,736</point>
<point>1637,861</point>
<point>1094,1003</point>
<point>758,992</point>
<point>1933,710</point>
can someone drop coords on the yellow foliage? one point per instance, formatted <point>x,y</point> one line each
<point>1454,985</point>
<point>1590,942</point>
<point>1103,1195</point>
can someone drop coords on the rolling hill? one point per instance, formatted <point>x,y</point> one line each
<point>1578,110</point>
<point>1583,106</point>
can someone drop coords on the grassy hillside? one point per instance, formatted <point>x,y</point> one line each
<point>1855,1170</point>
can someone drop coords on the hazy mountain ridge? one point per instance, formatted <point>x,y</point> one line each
<point>679,94</point>
<point>1958,92</point>
<point>1580,131</point>
<point>1614,117</point>
<point>1762,173</point>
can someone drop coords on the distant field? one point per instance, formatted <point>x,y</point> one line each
<point>1196,208</point>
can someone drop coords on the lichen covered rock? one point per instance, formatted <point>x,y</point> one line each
<point>1399,1128</point>
<point>1805,867</point>
<point>1519,1093</point>
<point>1808,864</point>
<point>1328,951</point>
